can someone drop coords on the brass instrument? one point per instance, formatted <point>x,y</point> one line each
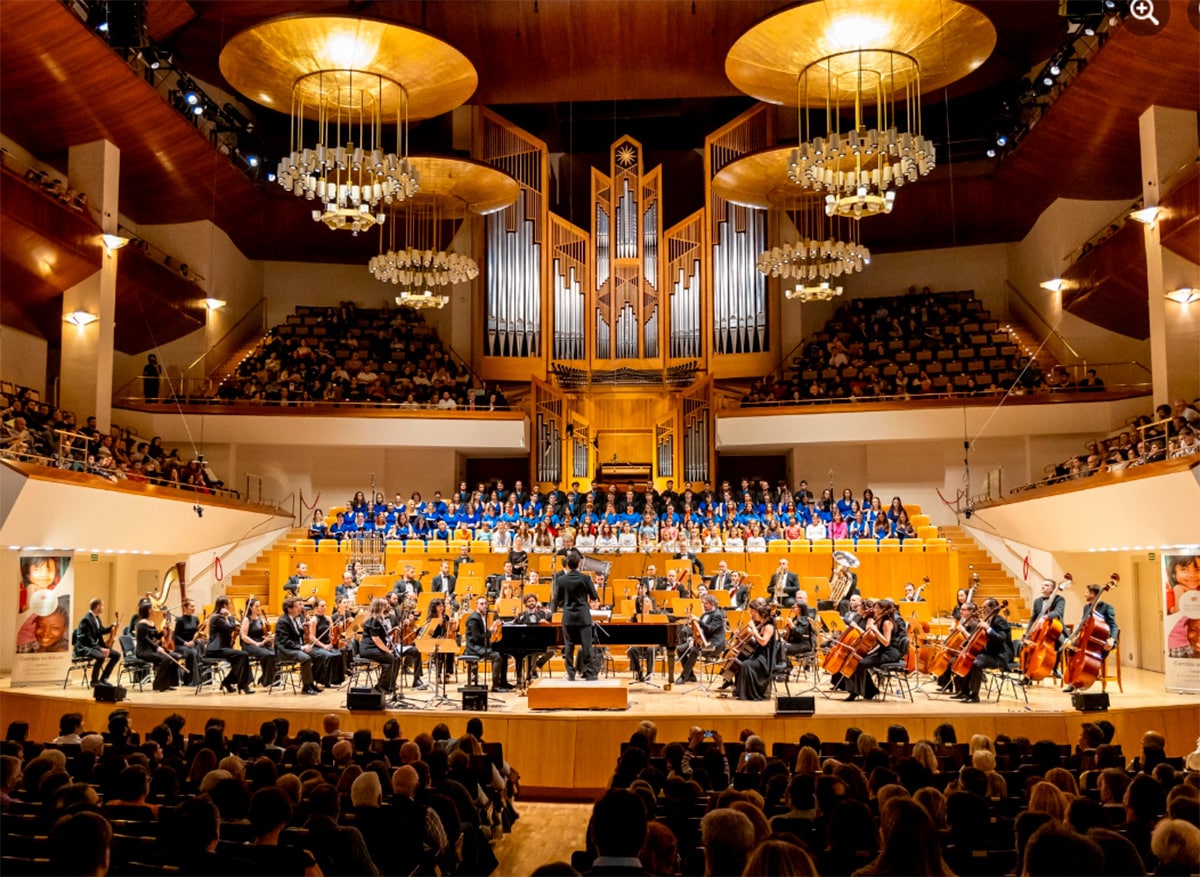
<point>839,582</point>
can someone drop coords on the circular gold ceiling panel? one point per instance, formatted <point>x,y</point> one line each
<point>947,39</point>
<point>760,179</point>
<point>265,61</point>
<point>458,186</point>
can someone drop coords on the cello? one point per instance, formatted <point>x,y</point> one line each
<point>1088,645</point>
<point>942,655</point>
<point>976,643</point>
<point>1041,653</point>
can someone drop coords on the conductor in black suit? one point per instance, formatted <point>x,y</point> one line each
<point>572,590</point>
<point>290,646</point>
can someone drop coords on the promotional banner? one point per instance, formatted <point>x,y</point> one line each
<point>1181,573</point>
<point>44,613</point>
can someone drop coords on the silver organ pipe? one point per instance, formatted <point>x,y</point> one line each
<point>602,247</point>
<point>650,245</point>
<point>650,334</point>
<point>739,289</point>
<point>627,223</point>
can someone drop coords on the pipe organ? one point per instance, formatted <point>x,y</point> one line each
<point>685,256</point>
<point>568,276</point>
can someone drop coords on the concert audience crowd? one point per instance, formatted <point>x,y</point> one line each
<point>914,345</point>
<point>335,802</point>
<point>744,518</point>
<point>358,355</point>
<point>30,429</point>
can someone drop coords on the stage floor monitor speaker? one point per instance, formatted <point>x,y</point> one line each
<point>795,706</point>
<point>1090,702</point>
<point>106,692</point>
<point>475,697</point>
<point>364,699</point>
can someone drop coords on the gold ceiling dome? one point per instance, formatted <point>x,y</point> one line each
<point>856,70</point>
<point>351,86</point>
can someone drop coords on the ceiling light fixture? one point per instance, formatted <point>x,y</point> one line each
<point>807,293</point>
<point>826,247</point>
<point>1146,215</point>
<point>1054,285</point>
<point>80,318</point>
<point>1184,295</point>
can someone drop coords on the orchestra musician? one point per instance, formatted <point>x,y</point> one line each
<point>572,590</point>
<point>533,613</point>
<point>891,644</point>
<point>1053,606</point>
<point>960,600</point>
<point>221,629</point>
<point>257,643</point>
<point>149,648</point>
<point>753,678</point>
<point>721,579</point>
<point>650,581</point>
<point>479,645</point>
<point>998,653</point>
<point>674,584</point>
<point>332,667</point>
<point>439,625</point>
<point>407,584</point>
<point>188,644</point>
<point>784,584</point>
<point>910,594</point>
<point>643,604</point>
<point>292,585</point>
<point>1106,613</point>
<point>443,583</point>
<point>855,613</point>
<point>347,588</point>
<point>800,638</point>
<point>290,645</point>
<point>740,592</point>
<point>89,642</point>
<point>376,645</point>
<point>965,622</point>
<point>345,616</point>
<point>712,629</point>
<point>497,580</point>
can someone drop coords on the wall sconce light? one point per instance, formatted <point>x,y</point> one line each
<point>1147,215</point>
<point>1054,285</point>
<point>214,304</point>
<point>113,241</point>
<point>1184,295</point>
<point>80,318</point>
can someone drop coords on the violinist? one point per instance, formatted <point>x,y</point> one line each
<point>407,584</point>
<point>187,636</point>
<point>711,626</point>
<point>753,679</point>
<point>1051,606</point>
<point>479,645</point>
<point>345,617</point>
<point>890,642</point>
<point>439,625</point>
<point>377,645</point>
<point>643,604</point>
<point>290,645</point>
<point>222,627</point>
<point>1105,612</point>
<point>328,659</point>
<point>402,621</point>
<point>998,653</point>
<point>257,643</point>
<point>800,636</point>
<point>534,613</point>
<point>150,649</point>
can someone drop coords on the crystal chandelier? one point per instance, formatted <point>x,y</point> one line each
<point>352,180</point>
<point>860,167</point>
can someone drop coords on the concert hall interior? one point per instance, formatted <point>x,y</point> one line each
<point>633,254</point>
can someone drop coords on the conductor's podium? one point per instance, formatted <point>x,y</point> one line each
<point>559,694</point>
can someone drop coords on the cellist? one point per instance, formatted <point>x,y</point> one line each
<point>1052,607</point>
<point>1105,612</point>
<point>998,652</point>
<point>890,644</point>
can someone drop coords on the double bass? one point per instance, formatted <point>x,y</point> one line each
<point>1041,652</point>
<point>1088,645</point>
<point>975,643</point>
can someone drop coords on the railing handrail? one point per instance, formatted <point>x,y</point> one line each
<point>260,306</point>
<point>1032,309</point>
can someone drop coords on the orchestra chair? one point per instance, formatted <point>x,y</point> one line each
<point>997,681</point>
<point>212,669</point>
<point>892,678</point>
<point>1105,676</point>
<point>84,664</point>
<point>133,668</point>
<point>360,667</point>
<point>286,672</point>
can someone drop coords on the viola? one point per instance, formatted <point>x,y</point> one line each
<point>975,644</point>
<point>1041,652</point>
<point>1088,645</point>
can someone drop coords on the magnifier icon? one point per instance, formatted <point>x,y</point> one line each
<point>1143,10</point>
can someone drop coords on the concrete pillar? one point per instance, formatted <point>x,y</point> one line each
<point>87,351</point>
<point>1169,143</point>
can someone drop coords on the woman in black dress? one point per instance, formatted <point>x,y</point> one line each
<point>887,628</point>
<point>753,680</point>
<point>377,646</point>
<point>437,626</point>
<point>320,629</point>
<point>222,628</point>
<point>257,643</point>
<point>149,649</point>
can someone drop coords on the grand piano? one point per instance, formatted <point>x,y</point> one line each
<point>522,640</point>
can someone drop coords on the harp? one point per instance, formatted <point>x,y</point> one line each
<point>172,580</point>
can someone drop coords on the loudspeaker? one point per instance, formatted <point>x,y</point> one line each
<point>795,706</point>
<point>106,692</point>
<point>1090,703</point>
<point>475,697</point>
<point>364,699</point>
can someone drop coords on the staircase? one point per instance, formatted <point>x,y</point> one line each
<point>993,580</point>
<point>1026,340</point>
<point>253,580</point>
<point>229,365</point>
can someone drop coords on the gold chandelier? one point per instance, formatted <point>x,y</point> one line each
<point>855,70</point>
<point>351,86</point>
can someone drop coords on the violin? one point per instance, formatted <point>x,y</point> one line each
<point>1088,645</point>
<point>1041,651</point>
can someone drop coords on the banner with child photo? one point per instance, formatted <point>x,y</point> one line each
<point>43,619</point>
<point>1181,574</point>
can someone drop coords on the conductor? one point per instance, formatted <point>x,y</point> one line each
<point>572,590</point>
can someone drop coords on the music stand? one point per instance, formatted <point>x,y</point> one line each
<point>430,648</point>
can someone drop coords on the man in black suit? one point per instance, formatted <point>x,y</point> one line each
<point>443,583</point>
<point>479,645</point>
<point>571,593</point>
<point>1103,612</point>
<point>292,585</point>
<point>1052,606</point>
<point>290,645</point>
<point>408,583</point>
<point>89,642</point>
<point>784,584</point>
<point>997,654</point>
<point>722,580</point>
<point>712,626</point>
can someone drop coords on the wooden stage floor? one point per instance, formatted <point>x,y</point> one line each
<point>572,752</point>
